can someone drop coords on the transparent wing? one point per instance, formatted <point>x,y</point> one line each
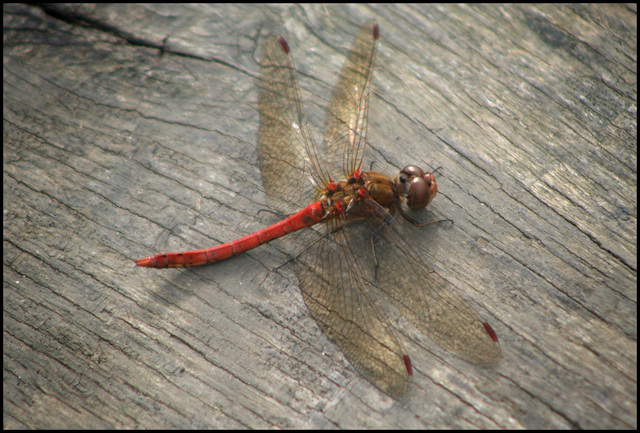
<point>345,129</point>
<point>291,173</point>
<point>422,296</point>
<point>339,298</point>
<point>329,273</point>
<point>347,267</point>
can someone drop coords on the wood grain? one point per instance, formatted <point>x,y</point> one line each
<point>131,130</point>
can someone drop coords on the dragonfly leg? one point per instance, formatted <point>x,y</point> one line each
<point>419,224</point>
<point>386,223</point>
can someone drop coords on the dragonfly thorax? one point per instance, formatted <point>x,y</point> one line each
<point>348,197</point>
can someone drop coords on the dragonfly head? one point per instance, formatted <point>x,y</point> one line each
<point>416,187</point>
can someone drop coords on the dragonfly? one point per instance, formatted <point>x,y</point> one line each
<point>359,265</point>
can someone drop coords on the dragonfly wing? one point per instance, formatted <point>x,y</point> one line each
<point>291,173</point>
<point>338,297</point>
<point>431,304</point>
<point>345,129</point>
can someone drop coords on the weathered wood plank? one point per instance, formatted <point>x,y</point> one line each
<point>130,130</point>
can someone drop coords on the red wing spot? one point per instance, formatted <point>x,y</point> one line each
<point>285,46</point>
<point>491,332</point>
<point>407,363</point>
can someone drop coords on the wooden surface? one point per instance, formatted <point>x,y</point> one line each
<point>131,130</point>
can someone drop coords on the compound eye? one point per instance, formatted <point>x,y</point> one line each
<point>429,179</point>
<point>419,187</point>
<point>412,171</point>
<point>418,194</point>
